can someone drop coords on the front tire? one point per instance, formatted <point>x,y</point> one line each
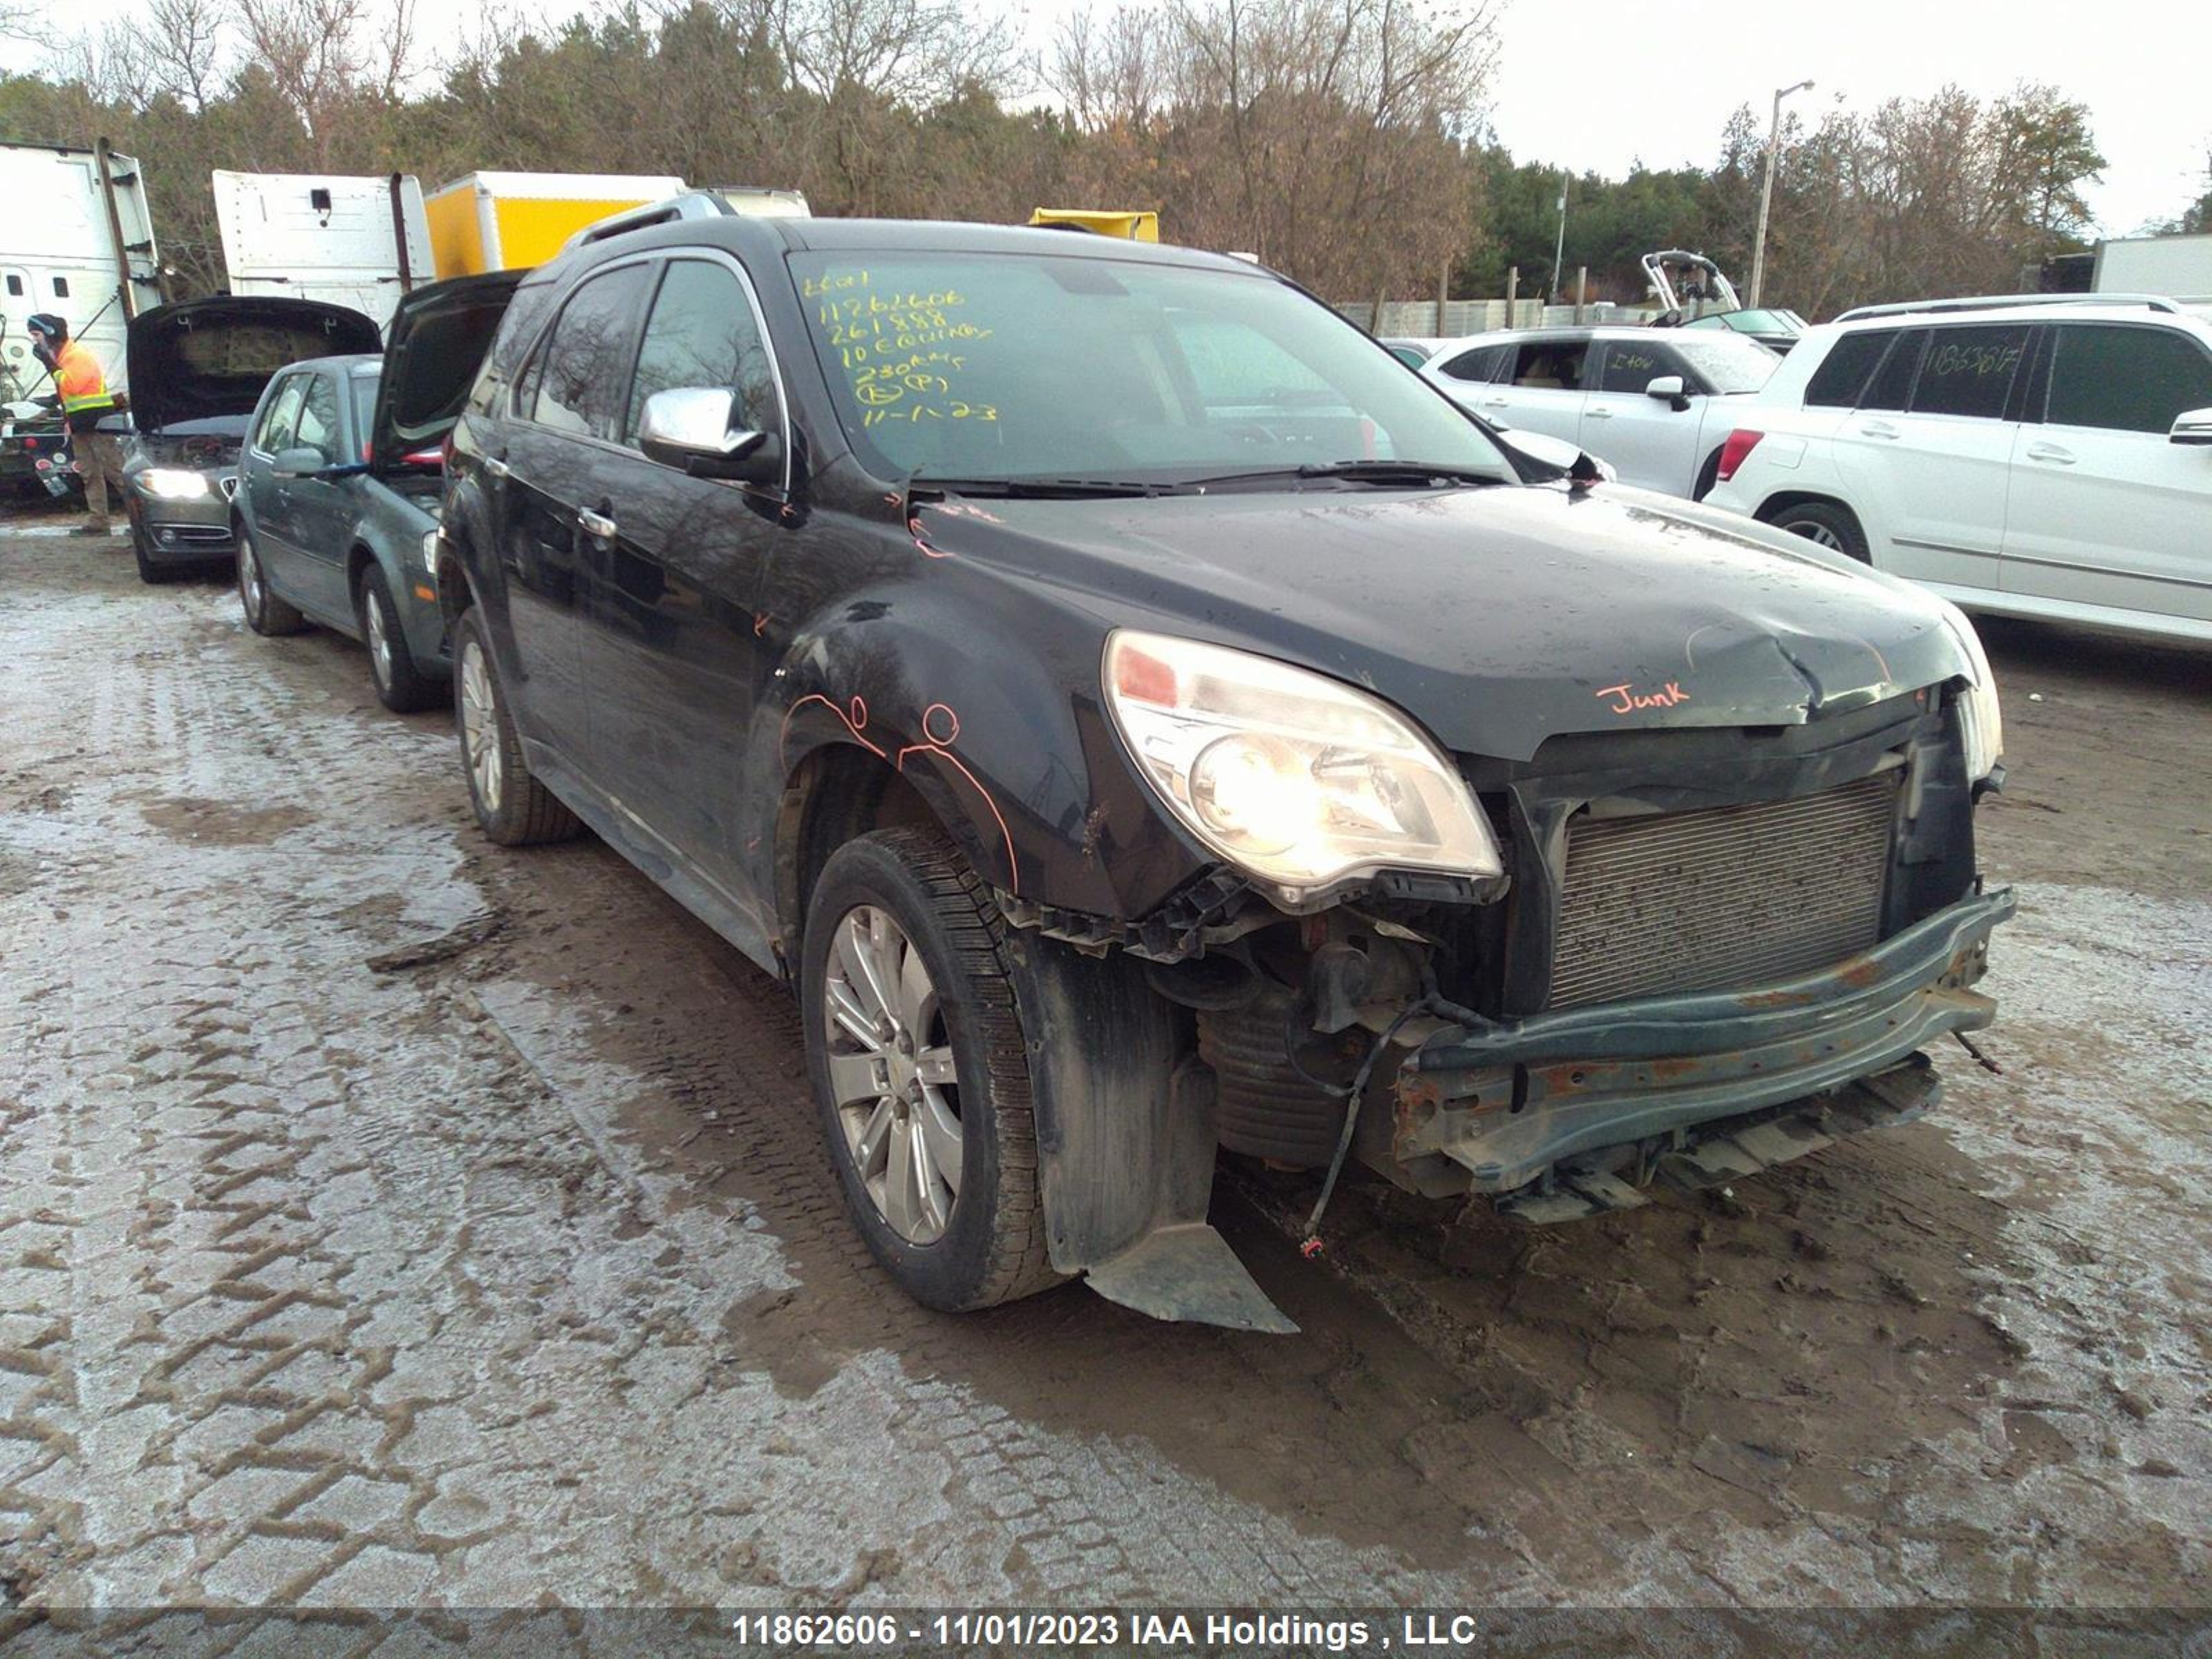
<point>921,1072</point>
<point>1828,523</point>
<point>512,807</point>
<point>400,685</point>
<point>265,614</point>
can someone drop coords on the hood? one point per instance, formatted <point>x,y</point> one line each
<point>440,335</point>
<point>209,357</point>
<point>1498,617</point>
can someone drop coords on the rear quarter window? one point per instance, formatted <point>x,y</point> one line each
<point>2126,379</point>
<point>1851,363</point>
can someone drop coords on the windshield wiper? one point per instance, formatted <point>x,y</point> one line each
<point>1414,474</point>
<point>1038,489</point>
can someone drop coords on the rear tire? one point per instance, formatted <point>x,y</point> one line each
<point>265,614</point>
<point>400,685</point>
<point>921,1071</point>
<point>1828,523</point>
<point>513,807</point>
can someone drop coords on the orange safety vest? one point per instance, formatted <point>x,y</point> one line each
<point>84,388</point>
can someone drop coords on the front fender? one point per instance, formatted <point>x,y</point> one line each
<point>984,696</point>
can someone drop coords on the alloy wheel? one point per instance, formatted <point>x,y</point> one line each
<point>479,726</point>
<point>1820,535</point>
<point>892,1073</point>
<point>379,638</point>
<point>249,578</point>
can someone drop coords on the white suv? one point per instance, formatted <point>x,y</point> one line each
<point>2034,457</point>
<point>1655,403</point>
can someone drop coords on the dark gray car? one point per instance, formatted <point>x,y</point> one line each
<point>196,371</point>
<point>340,486</point>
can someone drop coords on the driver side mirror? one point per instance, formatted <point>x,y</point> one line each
<point>2192,426</point>
<point>300,463</point>
<point>1668,389</point>
<point>694,430</point>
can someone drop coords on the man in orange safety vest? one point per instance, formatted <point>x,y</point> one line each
<point>85,399</point>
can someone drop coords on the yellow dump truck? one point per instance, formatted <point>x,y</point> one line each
<point>512,220</point>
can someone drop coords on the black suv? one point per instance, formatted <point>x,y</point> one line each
<point>1142,719</point>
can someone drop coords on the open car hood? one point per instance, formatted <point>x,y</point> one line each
<point>440,335</point>
<point>204,358</point>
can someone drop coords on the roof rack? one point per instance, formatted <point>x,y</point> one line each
<point>2007,302</point>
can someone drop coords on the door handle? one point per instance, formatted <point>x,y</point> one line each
<point>1493,402</point>
<point>2042,451</point>
<point>496,467</point>
<point>1597,414</point>
<point>1879,429</point>
<point>596,525</point>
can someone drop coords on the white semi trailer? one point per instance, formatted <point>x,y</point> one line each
<point>76,240</point>
<point>2174,267</point>
<point>348,240</point>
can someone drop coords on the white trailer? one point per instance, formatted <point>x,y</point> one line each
<point>2171,267</point>
<point>75,240</point>
<point>346,239</point>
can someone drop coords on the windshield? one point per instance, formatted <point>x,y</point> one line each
<point>1728,364</point>
<point>996,367</point>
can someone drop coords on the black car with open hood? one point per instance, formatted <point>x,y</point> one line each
<point>198,368</point>
<point>1141,720</point>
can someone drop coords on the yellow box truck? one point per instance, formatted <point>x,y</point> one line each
<point>512,220</point>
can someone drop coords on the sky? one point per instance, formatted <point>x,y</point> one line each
<point>1598,85</point>
<point>1595,85</point>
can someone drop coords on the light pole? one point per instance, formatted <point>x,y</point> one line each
<point>1558,248</point>
<point>1767,189</point>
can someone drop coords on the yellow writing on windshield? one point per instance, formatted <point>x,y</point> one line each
<point>902,348</point>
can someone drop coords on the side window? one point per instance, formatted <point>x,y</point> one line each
<point>1550,365</point>
<point>702,332</point>
<point>1968,371</point>
<point>1843,372</point>
<point>578,380</point>
<point>2126,379</point>
<point>1480,364</point>
<point>1893,382</point>
<point>61,288</point>
<point>318,418</point>
<point>14,286</point>
<point>1631,365</point>
<point>282,417</point>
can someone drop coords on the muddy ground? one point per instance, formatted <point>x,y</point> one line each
<point>520,1273</point>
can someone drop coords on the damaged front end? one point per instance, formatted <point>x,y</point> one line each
<point>1710,951</point>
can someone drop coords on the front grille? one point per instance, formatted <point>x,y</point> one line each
<point>1722,899</point>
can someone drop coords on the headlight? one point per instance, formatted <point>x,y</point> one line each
<point>430,551</point>
<point>1978,712</point>
<point>173,484</point>
<point>1296,779</point>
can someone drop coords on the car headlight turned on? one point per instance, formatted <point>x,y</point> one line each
<point>173,484</point>
<point>430,551</point>
<point>1301,782</point>
<point>1981,713</point>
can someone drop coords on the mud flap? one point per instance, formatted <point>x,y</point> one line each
<point>1126,1142</point>
<point>1735,1148</point>
<point>1188,1272</point>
